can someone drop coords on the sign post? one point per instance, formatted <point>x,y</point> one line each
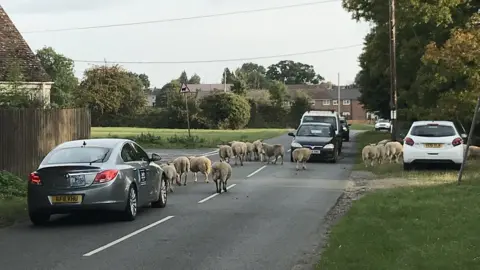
<point>185,90</point>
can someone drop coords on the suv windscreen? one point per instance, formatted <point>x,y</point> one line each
<point>433,131</point>
<point>78,155</point>
<point>314,131</point>
<point>383,121</point>
<point>321,119</point>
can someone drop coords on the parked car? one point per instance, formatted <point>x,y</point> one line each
<point>383,124</point>
<point>320,137</point>
<point>346,128</point>
<point>433,142</point>
<point>330,117</point>
<point>95,174</point>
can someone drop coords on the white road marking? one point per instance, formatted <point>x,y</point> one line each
<point>216,194</point>
<point>210,153</point>
<point>126,237</point>
<point>259,169</point>
<point>288,151</point>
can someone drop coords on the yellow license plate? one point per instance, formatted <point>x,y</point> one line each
<point>433,145</point>
<point>67,199</point>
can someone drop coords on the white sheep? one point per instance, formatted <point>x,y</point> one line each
<point>221,172</point>
<point>369,154</point>
<point>170,174</point>
<point>381,153</point>
<point>200,164</point>
<point>225,152</point>
<point>250,147</point>
<point>275,150</point>
<point>301,155</point>
<point>257,150</point>
<point>383,142</point>
<point>239,151</point>
<point>182,165</point>
<point>394,151</point>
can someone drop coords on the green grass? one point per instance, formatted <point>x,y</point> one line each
<point>409,228</point>
<point>361,127</point>
<point>11,210</point>
<point>178,138</point>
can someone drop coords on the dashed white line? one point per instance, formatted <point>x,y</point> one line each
<point>211,153</point>
<point>126,237</point>
<point>288,151</point>
<point>259,169</point>
<point>216,194</point>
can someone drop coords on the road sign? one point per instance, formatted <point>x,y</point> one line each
<point>184,88</point>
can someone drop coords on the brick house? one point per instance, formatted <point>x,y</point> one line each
<point>327,99</point>
<point>14,51</point>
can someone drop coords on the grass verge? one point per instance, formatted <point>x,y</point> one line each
<point>426,227</point>
<point>361,127</point>
<point>13,191</point>
<point>178,138</point>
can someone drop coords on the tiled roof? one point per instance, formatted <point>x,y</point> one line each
<point>14,49</point>
<point>321,92</point>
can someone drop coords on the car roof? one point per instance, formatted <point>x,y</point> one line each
<point>326,113</point>
<point>423,123</point>
<point>106,142</point>
<point>316,124</point>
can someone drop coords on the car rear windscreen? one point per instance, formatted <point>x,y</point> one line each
<point>78,155</point>
<point>320,119</point>
<point>314,131</point>
<point>433,131</point>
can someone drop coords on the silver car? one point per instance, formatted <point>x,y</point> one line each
<point>95,174</point>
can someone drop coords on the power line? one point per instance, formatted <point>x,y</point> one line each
<point>221,60</point>
<point>183,18</point>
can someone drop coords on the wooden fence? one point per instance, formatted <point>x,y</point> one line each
<point>27,135</point>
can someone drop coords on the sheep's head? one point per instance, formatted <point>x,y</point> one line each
<point>191,157</point>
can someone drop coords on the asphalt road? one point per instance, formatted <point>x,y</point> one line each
<point>271,218</point>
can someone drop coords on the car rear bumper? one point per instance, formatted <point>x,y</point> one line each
<point>325,154</point>
<point>382,127</point>
<point>452,155</point>
<point>109,196</point>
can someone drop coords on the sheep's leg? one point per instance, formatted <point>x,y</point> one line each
<point>217,186</point>
<point>297,165</point>
<point>304,165</point>
<point>206,178</point>
<point>275,162</point>
<point>195,174</point>
<point>242,157</point>
<point>185,180</point>
<point>282,159</point>
<point>236,159</point>
<point>224,181</point>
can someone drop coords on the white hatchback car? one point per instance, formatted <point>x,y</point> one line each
<point>433,142</point>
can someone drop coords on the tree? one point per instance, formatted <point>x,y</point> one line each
<point>225,110</point>
<point>195,79</point>
<point>61,69</point>
<point>278,93</point>
<point>111,90</point>
<point>300,105</point>
<point>168,93</point>
<point>229,75</point>
<point>143,79</point>
<point>239,87</point>
<point>291,72</point>
<point>183,77</point>
<point>253,76</point>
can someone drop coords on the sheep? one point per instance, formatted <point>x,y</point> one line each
<point>394,151</point>
<point>301,155</point>
<point>381,153</point>
<point>182,165</point>
<point>225,152</point>
<point>170,174</point>
<point>369,154</point>
<point>200,164</point>
<point>257,150</point>
<point>250,148</point>
<point>239,151</point>
<point>276,150</point>
<point>383,142</point>
<point>221,172</point>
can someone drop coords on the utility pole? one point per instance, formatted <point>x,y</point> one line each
<point>225,80</point>
<point>393,71</point>
<point>339,97</point>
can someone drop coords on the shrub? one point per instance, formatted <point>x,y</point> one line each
<point>12,185</point>
<point>225,110</point>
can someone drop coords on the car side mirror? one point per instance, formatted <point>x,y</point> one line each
<point>290,134</point>
<point>155,157</point>
<point>463,135</point>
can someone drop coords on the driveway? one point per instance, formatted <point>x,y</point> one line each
<point>271,218</point>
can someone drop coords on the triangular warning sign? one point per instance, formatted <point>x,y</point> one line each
<point>184,88</point>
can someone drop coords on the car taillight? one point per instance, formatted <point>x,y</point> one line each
<point>409,141</point>
<point>34,178</point>
<point>457,141</point>
<point>105,176</point>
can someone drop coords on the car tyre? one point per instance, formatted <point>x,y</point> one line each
<point>162,194</point>
<point>131,208</point>
<point>407,166</point>
<point>335,157</point>
<point>347,139</point>
<point>39,218</point>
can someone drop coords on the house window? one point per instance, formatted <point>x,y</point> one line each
<point>346,102</point>
<point>345,113</point>
<point>326,102</point>
<point>335,102</point>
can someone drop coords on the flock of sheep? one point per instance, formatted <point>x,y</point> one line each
<point>387,151</point>
<point>220,171</point>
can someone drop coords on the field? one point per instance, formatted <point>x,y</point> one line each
<point>415,220</point>
<point>178,138</point>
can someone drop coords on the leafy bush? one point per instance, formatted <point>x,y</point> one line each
<point>12,186</point>
<point>225,110</point>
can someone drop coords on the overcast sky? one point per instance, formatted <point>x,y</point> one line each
<point>266,33</point>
